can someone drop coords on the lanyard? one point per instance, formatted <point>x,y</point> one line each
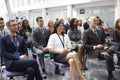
<point>61,40</point>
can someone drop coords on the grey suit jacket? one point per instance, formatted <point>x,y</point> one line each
<point>40,39</point>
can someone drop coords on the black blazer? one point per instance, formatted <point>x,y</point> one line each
<point>86,25</point>
<point>9,49</point>
<point>116,38</point>
<point>89,39</point>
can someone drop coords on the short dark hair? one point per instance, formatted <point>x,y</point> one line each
<point>1,18</point>
<point>38,18</point>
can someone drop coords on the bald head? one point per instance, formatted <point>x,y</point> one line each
<point>93,22</point>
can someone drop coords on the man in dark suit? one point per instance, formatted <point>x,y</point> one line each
<point>94,43</point>
<point>16,55</point>
<point>2,33</point>
<point>67,25</point>
<point>85,24</point>
<point>40,36</point>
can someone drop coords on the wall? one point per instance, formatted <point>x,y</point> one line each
<point>107,13</point>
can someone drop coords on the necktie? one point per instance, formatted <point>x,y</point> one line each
<point>16,53</point>
<point>14,41</point>
<point>42,31</point>
<point>95,32</point>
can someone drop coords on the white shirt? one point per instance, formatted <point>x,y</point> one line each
<point>55,43</point>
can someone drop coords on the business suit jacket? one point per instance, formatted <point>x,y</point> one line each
<point>86,25</point>
<point>5,32</point>
<point>39,38</point>
<point>9,49</point>
<point>89,39</point>
<point>116,37</point>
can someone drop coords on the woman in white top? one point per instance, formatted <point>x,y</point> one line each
<point>59,44</point>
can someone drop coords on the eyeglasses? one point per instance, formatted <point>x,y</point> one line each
<point>14,25</point>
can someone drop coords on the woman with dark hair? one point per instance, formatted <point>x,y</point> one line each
<point>116,37</point>
<point>59,44</point>
<point>26,31</point>
<point>75,37</point>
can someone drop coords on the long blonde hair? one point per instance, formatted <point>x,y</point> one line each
<point>51,28</point>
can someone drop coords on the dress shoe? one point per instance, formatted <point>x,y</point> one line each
<point>84,68</point>
<point>110,78</point>
<point>58,72</point>
<point>44,75</point>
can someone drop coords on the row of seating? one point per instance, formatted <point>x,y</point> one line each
<point>11,74</point>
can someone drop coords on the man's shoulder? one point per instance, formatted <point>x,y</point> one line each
<point>4,37</point>
<point>19,36</point>
<point>87,30</point>
<point>36,28</point>
<point>45,28</point>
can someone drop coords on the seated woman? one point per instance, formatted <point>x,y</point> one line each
<point>26,31</point>
<point>75,38</point>
<point>59,44</point>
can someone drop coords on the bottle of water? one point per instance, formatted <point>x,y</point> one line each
<point>29,52</point>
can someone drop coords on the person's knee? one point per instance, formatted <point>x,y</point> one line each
<point>30,70</point>
<point>80,46</point>
<point>34,63</point>
<point>71,61</point>
<point>75,55</point>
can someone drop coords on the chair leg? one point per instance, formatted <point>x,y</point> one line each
<point>34,56</point>
<point>11,78</point>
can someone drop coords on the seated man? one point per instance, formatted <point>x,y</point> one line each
<point>16,55</point>
<point>94,43</point>
<point>40,36</point>
<point>3,32</point>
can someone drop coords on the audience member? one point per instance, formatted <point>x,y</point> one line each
<point>59,44</point>
<point>16,55</point>
<point>40,36</point>
<point>26,32</point>
<point>75,38</point>
<point>95,45</point>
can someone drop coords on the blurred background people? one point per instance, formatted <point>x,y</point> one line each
<point>51,26</point>
<point>26,32</point>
